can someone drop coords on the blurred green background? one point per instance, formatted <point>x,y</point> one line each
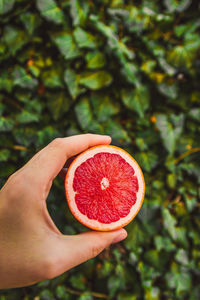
<point>125,68</point>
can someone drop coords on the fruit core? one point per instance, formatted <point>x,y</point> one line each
<point>105,187</point>
<point>104,183</point>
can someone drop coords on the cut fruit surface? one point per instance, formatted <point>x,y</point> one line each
<point>104,188</point>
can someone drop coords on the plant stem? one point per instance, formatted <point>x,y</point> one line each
<point>94,294</point>
<point>182,156</point>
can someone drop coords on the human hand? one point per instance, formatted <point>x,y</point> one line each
<point>32,248</point>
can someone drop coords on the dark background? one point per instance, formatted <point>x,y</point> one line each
<point>129,69</point>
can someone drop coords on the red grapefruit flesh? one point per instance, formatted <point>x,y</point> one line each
<point>104,188</point>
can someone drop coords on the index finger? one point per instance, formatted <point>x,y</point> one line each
<point>48,162</point>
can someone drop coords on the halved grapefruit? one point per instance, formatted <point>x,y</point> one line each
<point>104,188</point>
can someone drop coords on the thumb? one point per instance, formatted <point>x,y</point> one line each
<point>89,244</point>
<point>74,250</point>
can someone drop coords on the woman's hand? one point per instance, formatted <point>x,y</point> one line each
<point>32,248</point>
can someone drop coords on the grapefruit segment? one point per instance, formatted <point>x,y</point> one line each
<point>104,188</point>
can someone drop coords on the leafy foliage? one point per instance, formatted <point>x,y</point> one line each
<point>125,68</point>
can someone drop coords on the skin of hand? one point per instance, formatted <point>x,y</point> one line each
<point>32,249</point>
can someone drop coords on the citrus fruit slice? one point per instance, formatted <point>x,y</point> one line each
<point>104,188</point>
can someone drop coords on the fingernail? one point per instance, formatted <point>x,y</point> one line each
<point>120,237</point>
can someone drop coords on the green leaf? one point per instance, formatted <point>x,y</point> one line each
<point>136,99</point>
<point>7,170</point>
<point>4,154</point>
<point>50,11</point>
<point>35,71</point>
<point>58,104</point>
<point>182,55</point>
<point>6,124</point>
<point>2,51</point>
<point>105,30</point>
<point>86,296</point>
<point>31,21</point>
<point>95,60</point>
<point>14,39</point>
<point>120,51</point>
<point>114,284</point>
<point>176,5</point>
<point>181,236</point>
<point>148,66</point>
<point>180,281</point>
<point>130,72</point>
<point>2,108</point>
<point>180,30</point>
<point>104,106</point>
<point>24,136</point>
<point>6,6</point>
<point>96,80</point>
<point>27,117</point>
<point>195,114</point>
<point>156,259</point>
<point>66,45</point>
<point>152,293</point>
<point>52,78</point>
<point>61,293</point>
<point>181,257</point>
<point>169,222</point>
<point>46,135</point>
<point>170,91</point>
<point>23,79</point>
<point>147,274</point>
<point>179,56</point>
<point>79,10</point>
<point>169,70</point>
<point>107,268</point>
<point>147,161</point>
<point>171,180</point>
<point>77,281</point>
<point>84,113</point>
<point>168,132</point>
<point>136,237</point>
<point>6,82</point>
<point>183,283</point>
<point>164,243</point>
<point>84,39</point>
<point>141,144</point>
<point>191,202</point>
<point>116,131</point>
<point>46,295</point>
<point>72,81</point>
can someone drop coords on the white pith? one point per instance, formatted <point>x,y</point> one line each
<point>104,183</point>
<point>71,193</point>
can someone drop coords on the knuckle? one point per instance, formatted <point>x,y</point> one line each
<point>57,142</point>
<point>12,177</point>
<point>16,183</point>
<point>89,135</point>
<point>96,249</point>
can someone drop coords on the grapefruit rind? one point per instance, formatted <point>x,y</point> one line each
<point>70,193</point>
